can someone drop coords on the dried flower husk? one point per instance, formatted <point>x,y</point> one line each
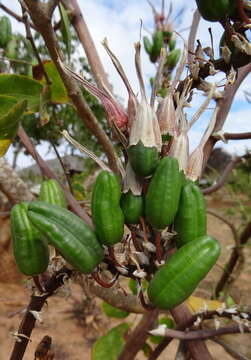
<point>131,181</point>
<point>166,116</point>
<point>196,159</point>
<point>145,137</point>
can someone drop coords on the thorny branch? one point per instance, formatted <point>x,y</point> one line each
<point>197,348</point>
<point>34,48</point>
<point>36,304</point>
<point>205,334</point>
<point>188,323</point>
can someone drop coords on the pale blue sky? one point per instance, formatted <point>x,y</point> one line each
<point>120,23</point>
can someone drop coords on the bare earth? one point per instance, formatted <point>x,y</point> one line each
<point>73,335</point>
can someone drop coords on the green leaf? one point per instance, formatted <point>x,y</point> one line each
<point>6,103</point>
<point>132,286</point>
<point>110,345</point>
<point>21,88</point>
<point>112,311</point>
<point>65,29</point>
<point>9,123</point>
<point>58,90</point>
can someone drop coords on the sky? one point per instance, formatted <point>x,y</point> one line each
<point>119,21</point>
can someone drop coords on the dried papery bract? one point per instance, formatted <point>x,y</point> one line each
<point>145,137</point>
<point>84,150</point>
<point>115,112</point>
<point>166,116</point>
<point>242,44</point>
<point>132,101</point>
<point>226,54</point>
<point>196,159</point>
<point>131,181</point>
<point>180,145</point>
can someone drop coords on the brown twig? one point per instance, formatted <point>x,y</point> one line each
<point>230,350</point>
<point>102,282</point>
<point>205,334</point>
<point>235,136</point>
<point>139,335</point>
<point>90,49</point>
<point>221,181</point>
<point>188,323</point>
<point>197,348</point>
<point>229,267</point>
<point>67,177</point>
<point>40,14</point>
<point>137,244</point>
<point>192,36</point>
<point>116,298</point>
<point>146,306</point>
<point>36,304</point>
<point>159,249</point>
<point>14,15</point>
<point>186,320</point>
<point>76,208</point>
<point>33,45</point>
<point>230,224</point>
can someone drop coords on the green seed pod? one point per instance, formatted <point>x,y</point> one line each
<point>12,48</point>
<point>158,42</point>
<point>5,31</point>
<point>107,215</point>
<point>216,10</point>
<point>29,247</point>
<point>190,221</point>
<point>162,198</point>
<point>175,281</point>
<point>52,192</point>
<point>172,44</point>
<point>173,58</point>
<point>132,207</point>
<point>69,234</point>
<point>143,159</point>
<point>147,45</point>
